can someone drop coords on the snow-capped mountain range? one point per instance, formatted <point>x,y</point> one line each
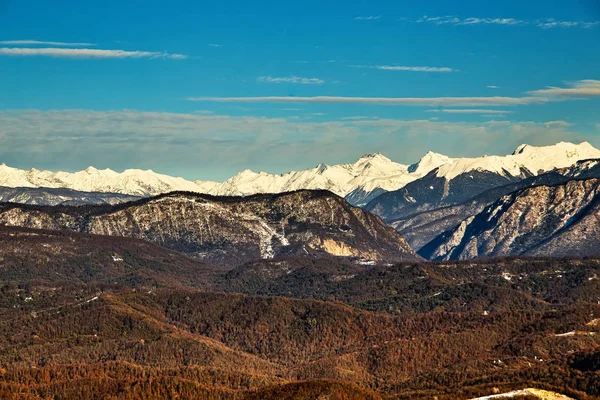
<point>359,182</point>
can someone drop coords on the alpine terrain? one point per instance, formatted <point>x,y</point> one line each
<point>435,180</point>
<point>560,220</point>
<point>464,178</point>
<point>422,227</point>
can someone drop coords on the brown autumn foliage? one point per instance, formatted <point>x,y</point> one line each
<point>76,324</point>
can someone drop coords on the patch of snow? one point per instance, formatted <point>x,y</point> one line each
<point>366,262</point>
<point>572,333</point>
<point>542,394</point>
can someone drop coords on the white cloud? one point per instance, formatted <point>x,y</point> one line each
<point>40,42</point>
<point>215,45</point>
<point>577,90</point>
<point>552,23</point>
<point>85,53</point>
<point>583,88</point>
<point>291,79</point>
<point>456,21</point>
<point>471,111</point>
<point>544,23</point>
<point>407,68</point>
<point>367,18</point>
<point>391,101</point>
<point>493,87</point>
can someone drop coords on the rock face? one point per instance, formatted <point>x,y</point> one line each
<point>53,197</point>
<point>560,220</point>
<point>420,228</point>
<point>232,230</point>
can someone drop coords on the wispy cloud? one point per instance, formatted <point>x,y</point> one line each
<point>557,124</point>
<point>215,45</point>
<point>452,20</point>
<point>357,118</point>
<point>544,23</point>
<point>577,90</point>
<point>583,88</point>
<point>84,53</point>
<point>40,42</point>
<point>471,111</point>
<point>407,68</point>
<point>367,18</point>
<point>291,79</point>
<point>550,23</point>
<point>492,87</point>
<point>390,101</point>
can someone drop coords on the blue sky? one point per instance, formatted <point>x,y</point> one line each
<point>205,89</point>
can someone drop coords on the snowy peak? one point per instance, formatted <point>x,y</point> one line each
<point>429,162</point>
<point>520,149</point>
<point>560,155</point>
<point>532,158</point>
<point>132,181</point>
<point>321,168</point>
<point>377,159</point>
<point>372,173</point>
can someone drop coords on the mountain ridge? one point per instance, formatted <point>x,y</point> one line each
<point>231,230</point>
<point>465,178</point>
<point>360,182</point>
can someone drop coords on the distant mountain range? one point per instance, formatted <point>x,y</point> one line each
<point>53,197</point>
<point>434,180</point>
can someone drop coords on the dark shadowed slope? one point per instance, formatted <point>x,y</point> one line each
<point>543,220</point>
